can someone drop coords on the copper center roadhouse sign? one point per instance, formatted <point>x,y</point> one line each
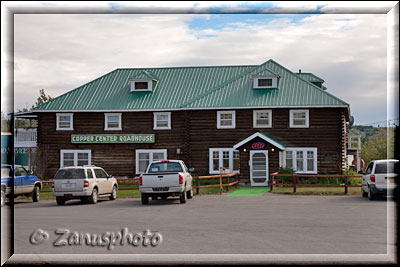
<point>111,138</point>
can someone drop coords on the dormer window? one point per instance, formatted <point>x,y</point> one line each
<point>139,85</point>
<point>262,82</point>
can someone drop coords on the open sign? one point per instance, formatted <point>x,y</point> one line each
<point>258,145</point>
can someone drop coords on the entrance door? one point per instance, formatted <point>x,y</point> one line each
<point>259,168</point>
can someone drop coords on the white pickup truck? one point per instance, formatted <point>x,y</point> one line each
<point>166,178</point>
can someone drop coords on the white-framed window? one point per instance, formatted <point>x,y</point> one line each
<point>262,118</point>
<point>70,157</point>
<point>226,119</point>
<point>112,121</point>
<point>299,118</point>
<point>162,121</point>
<point>300,159</point>
<point>138,85</point>
<point>223,157</point>
<point>261,82</point>
<point>65,122</point>
<point>146,156</point>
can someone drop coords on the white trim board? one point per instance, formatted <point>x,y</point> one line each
<point>265,138</point>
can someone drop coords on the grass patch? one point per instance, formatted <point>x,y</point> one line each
<point>213,190</point>
<point>318,191</point>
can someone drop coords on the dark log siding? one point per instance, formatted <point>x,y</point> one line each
<point>118,159</point>
<point>194,132</point>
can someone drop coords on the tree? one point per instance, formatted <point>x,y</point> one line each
<point>43,98</point>
<point>380,145</point>
<point>22,123</point>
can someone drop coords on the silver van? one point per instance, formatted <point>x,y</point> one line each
<point>86,183</point>
<point>379,178</point>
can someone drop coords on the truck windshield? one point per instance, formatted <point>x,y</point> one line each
<point>165,167</point>
<point>70,174</point>
<point>384,167</point>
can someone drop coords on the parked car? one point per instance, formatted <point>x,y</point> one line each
<point>379,179</point>
<point>24,183</point>
<point>86,183</point>
<point>166,178</point>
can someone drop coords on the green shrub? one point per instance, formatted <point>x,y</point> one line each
<point>285,180</point>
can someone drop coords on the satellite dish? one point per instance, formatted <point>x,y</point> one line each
<point>351,122</point>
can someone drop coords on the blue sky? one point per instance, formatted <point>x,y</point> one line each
<point>220,21</point>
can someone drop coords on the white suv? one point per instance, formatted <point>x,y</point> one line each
<point>379,178</point>
<point>86,183</point>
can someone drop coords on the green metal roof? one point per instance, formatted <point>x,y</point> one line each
<point>193,88</point>
<point>309,77</point>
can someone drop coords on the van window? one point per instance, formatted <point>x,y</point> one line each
<point>387,167</point>
<point>70,174</point>
<point>89,173</point>
<point>100,173</point>
<point>369,169</point>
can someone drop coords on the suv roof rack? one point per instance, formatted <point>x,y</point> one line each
<point>89,165</point>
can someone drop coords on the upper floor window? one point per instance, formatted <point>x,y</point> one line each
<point>226,119</point>
<point>112,121</point>
<point>299,118</point>
<point>141,85</point>
<point>65,121</point>
<point>262,118</point>
<point>162,121</point>
<point>265,82</point>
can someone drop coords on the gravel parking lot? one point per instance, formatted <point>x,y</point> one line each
<point>214,224</point>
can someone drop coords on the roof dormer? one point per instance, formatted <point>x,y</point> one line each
<point>141,85</point>
<point>265,82</point>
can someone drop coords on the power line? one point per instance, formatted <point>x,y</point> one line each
<point>382,121</point>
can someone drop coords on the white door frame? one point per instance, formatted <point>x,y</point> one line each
<point>265,152</point>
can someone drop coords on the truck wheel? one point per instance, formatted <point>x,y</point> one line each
<point>60,201</point>
<point>36,194</point>
<point>183,196</point>
<point>371,195</point>
<point>189,193</point>
<point>145,199</point>
<point>3,198</point>
<point>114,193</point>
<point>93,198</point>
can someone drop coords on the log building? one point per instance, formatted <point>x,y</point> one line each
<point>252,119</point>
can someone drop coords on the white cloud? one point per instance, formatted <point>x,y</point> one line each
<point>61,52</point>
